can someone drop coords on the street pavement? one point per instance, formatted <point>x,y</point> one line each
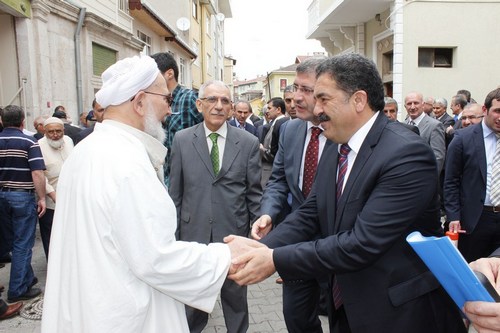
<point>264,304</point>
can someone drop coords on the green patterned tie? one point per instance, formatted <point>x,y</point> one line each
<point>214,154</point>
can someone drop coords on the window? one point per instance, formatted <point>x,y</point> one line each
<point>146,40</point>
<point>123,5</point>
<point>102,58</point>
<point>208,25</point>
<point>182,71</point>
<point>435,57</point>
<point>196,48</point>
<point>195,9</point>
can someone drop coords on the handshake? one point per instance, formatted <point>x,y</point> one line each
<point>251,261</point>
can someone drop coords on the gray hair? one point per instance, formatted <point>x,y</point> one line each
<point>442,101</point>
<point>201,92</point>
<point>390,100</point>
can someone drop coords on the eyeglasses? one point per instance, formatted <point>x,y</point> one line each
<point>214,99</point>
<point>302,89</point>
<point>166,97</point>
<point>471,117</point>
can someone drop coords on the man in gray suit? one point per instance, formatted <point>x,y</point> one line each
<point>215,185</point>
<point>289,186</point>
<point>431,130</point>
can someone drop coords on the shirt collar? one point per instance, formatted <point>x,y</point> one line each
<point>419,118</point>
<point>222,131</point>
<point>486,130</point>
<point>358,138</point>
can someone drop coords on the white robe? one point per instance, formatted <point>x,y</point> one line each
<point>114,263</point>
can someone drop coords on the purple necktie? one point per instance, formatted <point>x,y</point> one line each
<point>342,166</point>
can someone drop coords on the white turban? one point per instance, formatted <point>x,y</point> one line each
<point>126,78</point>
<point>53,120</point>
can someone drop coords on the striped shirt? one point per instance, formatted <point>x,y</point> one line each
<point>20,154</point>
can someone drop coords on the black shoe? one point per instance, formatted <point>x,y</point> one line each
<point>6,259</point>
<point>31,293</point>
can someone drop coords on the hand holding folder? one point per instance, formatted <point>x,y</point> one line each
<point>451,270</point>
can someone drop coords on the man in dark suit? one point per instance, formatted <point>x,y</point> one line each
<point>289,186</point>
<point>386,188</point>
<point>439,108</point>
<point>468,184</point>
<point>215,186</point>
<point>242,110</point>
<point>269,145</point>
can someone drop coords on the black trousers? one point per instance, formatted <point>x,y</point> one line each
<point>483,240</point>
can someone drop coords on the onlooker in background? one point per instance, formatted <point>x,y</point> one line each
<point>428,106</point>
<point>38,124</point>
<point>457,105</point>
<point>242,111</point>
<point>300,149</point>
<point>21,176</point>
<point>56,148</point>
<point>391,111</point>
<point>83,120</point>
<point>215,186</point>
<point>471,187</point>
<point>98,114</point>
<point>289,102</point>
<point>466,94</point>
<point>184,112</point>
<point>69,130</point>
<point>473,114</point>
<point>269,146</point>
<point>431,130</point>
<point>440,106</point>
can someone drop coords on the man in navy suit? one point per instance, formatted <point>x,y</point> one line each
<point>387,188</point>
<point>242,110</point>
<point>287,188</point>
<point>468,180</point>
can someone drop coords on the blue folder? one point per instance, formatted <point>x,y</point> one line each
<point>450,268</point>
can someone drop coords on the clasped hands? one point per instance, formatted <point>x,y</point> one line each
<point>251,261</point>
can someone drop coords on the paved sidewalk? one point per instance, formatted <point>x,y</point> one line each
<point>264,303</point>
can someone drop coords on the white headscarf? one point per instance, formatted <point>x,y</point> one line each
<point>126,78</point>
<point>53,120</point>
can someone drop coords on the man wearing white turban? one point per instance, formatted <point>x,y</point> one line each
<point>115,265</point>
<point>55,147</point>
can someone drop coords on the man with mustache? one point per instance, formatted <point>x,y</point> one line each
<point>56,148</point>
<point>373,187</point>
<point>215,185</point>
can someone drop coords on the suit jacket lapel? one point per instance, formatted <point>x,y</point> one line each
<point>478,142</point>
<point>201,147</point>
<point>231,150</point>
<point>300,140</point>
<point>364,154</point>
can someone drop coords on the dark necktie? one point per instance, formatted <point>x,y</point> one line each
<point>311,161</point>
<point>342,167</point>
<point>214,154</point>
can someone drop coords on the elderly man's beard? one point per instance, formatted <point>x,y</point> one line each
<point>56,144</point>
<point>152,126</point>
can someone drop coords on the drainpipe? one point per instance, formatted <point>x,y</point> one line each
<point>78,62</point>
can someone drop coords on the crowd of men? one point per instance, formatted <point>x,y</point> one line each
<point>172,182</point>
